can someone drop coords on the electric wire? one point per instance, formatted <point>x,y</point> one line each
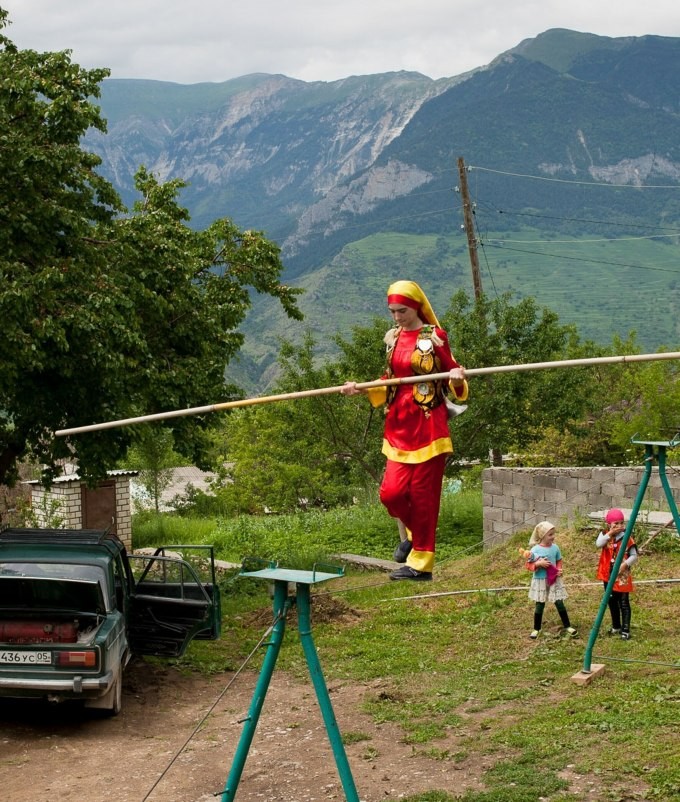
<point>441,593</point>
<point>590,221</point>
<point>584,259</point>
<point>633,660</point>
<point>598,184</point>
<point>582,241</point>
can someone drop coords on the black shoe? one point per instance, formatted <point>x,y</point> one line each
<point>410,573</point>
<point>402,551</point>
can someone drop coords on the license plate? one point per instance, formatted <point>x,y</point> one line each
<point>22,658</point>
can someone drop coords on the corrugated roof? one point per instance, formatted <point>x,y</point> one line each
<point>75,477</point>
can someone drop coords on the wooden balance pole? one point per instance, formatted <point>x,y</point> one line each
<point>268,399</point>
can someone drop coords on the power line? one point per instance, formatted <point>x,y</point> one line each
<point>580,220</point>
<point>582,258</point>
<point>601,184</point>
<point>586,241</point>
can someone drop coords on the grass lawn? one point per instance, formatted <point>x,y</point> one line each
<point>457,660</point>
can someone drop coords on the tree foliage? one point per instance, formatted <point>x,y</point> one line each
<point>153,456</point>
<point>321,447</point>
<point>106,314</point>
<point>313,450</point>
<point>507,411</point>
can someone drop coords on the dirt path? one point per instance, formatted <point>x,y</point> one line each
<point>67,753</point>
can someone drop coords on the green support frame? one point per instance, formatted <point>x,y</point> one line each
<point>282,578</point>
<point>655,452</point>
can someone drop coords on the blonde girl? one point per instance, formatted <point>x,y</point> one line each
<point>545,561</point>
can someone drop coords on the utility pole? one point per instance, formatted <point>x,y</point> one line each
<point>495,454</point>
<point>469,229</point>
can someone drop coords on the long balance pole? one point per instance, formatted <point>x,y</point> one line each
<point>268,399</point>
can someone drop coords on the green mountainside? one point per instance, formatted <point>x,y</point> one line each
<point>573,149</point>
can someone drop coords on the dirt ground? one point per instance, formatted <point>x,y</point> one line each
<point>147,753</point>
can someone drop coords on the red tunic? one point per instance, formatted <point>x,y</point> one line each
<point>414,434</point>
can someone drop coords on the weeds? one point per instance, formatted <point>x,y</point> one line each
<point>458,675</point>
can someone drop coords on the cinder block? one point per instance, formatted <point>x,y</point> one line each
<point>556,496</point>
<point>545,509</point>
<point>567,483</point>
<point>523,479</point>
<point>521,504</point>
<point>585,678</point>
<point>628,477</point>
<point>514,491</point>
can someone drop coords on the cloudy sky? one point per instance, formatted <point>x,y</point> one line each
<point>189,41</point>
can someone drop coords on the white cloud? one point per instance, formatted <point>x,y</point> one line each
<point>210,40</point>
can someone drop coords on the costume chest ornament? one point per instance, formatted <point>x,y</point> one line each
<point>427,395</point>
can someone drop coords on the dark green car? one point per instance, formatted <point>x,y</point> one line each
<point>74,607</point>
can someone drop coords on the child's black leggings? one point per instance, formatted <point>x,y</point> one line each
<point>619,608</point>
<point>561,609</point>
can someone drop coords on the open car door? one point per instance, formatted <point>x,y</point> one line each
<point>175,599</point>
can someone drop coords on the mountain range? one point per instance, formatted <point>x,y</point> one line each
<point>571,144</point>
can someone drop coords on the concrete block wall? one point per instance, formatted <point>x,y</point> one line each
<point>516,499</point>
<point>64,499</point>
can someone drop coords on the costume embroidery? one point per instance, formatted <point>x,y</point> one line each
<point>424,361</point>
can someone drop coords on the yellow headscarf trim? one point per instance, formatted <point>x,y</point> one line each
<point>411,290</point>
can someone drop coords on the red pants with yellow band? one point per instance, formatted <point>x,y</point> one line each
<point>412,493</point>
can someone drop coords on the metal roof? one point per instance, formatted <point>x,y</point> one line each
<point>75,477</point>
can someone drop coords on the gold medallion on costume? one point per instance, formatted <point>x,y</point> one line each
<point>424,361</point>
<point>423,356</point>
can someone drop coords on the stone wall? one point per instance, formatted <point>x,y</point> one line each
<point>516,499</point>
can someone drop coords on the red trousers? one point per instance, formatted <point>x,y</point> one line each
<point>413,494</point>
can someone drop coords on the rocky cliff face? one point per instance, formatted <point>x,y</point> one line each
<point>269,145</point>
<point>304,161</point>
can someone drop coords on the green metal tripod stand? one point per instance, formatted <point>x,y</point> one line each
<point>282,603</point>
<point>655,452</point>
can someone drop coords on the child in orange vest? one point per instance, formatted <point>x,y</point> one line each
<point>609,541</point>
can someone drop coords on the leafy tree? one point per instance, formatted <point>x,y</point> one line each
<point>646,406</point>
<point>311,450</point>
<point>625,400</point>
<point>153,456</point>
<point>106,315</point>
<point>322,445</point>
<point>507,411</point>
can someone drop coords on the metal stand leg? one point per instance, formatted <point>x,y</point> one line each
<point>281,605</point>
<point>650,457</point>
<point>316,674</point>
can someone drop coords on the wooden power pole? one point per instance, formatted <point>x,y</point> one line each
<point>469,229</point>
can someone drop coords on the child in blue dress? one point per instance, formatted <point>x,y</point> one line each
<point>545,561</point>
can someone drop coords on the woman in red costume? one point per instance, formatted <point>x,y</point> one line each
<point>416,437</point>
